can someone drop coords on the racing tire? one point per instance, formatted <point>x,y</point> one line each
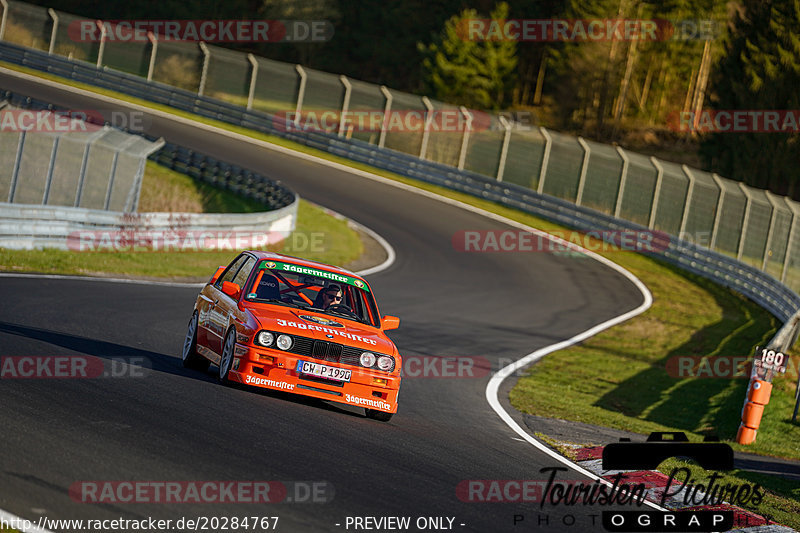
<point>380,416</point>
<point>226,360</point>
<point>189,356</point>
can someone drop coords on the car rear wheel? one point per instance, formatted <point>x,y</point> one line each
<point>381,416</point>
<point>226,361</point>
<point>189,355</point>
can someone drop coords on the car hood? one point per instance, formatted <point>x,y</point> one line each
<point>324,327</point>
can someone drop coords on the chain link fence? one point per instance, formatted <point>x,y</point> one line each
<point>738,221</point>
<point>81,165</point>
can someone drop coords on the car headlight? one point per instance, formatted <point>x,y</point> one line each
<point>265,338</point>
<point>367,359</point>
<point>284,342</point>
<point>385,362</point>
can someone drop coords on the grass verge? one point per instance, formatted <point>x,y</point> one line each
<point>619,378</point>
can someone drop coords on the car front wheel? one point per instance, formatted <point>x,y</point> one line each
<point>226,361</point>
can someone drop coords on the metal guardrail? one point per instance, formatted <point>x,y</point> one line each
<point>748,280</point>
<point>30,227</point>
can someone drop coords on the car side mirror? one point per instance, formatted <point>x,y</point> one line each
<point>231,289</point>
<point>390,322</point>
<point>216,275</point>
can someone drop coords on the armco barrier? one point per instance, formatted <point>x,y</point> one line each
<point>34,227</point>
<point>753,283</point>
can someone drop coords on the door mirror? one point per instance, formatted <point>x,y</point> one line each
<point>216,275</point>
<point>231,289</point>
<point>390,322</point>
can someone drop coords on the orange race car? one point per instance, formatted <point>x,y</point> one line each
<point>289,324</point>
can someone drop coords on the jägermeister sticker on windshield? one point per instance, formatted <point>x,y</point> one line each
<point>308,271</point>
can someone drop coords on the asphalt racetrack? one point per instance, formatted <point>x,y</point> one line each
<point>155,421</point>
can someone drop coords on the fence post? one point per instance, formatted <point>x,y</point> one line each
<point>718,214</point>
<point>12,191</point>
<point>301,93</point>
<point>745,222</point>
<point>501,165</point>
<point>387,108</point>
<point>253,77</point>
<point>793,208</point>
<point>3,21</point>
<point>584,167</point>
<point>152,66</point>
<point>688,203</point>
<point>657,193</point>
<point>85,163</point>
<point>771,230</point>
<point>623,179</point>
<point>102,47</point>
<point>462,154</point>
<point>548,141</point>
<point>204,73</point>
<point>50,168</point>
<point>113,174</point>
<point>53,16</point>
<point>345,102</point>
<point>427,131</point>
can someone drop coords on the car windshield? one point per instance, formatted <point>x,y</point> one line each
<point>310,288</point>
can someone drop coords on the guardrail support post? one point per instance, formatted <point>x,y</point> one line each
<point>718,214</point>
<point>348,89</point>
<point>253,76</point>
<point>688,203</point>
<point>771,230</point>
<point>657,193</point>
<point>102,47</point>
<point>12,190</point>
<point>204,72</point>
<point>387,108</point>
<point>787,252</point>
<point>584,167</point>
<point>3,21</point>
<point>427,131</point>
<point>153,52</point>
<point>548,141</point>
<point>53,16</point>
<point>745,222</point>
<point>301,93</point>
<point>462,154</point>
<point>623,179</point>
<point>501,165</point>
<point>50,168</point>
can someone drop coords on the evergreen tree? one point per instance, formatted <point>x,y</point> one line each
<point>759,71</point>
<point>475,73</point>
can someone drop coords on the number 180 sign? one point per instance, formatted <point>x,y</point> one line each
<point>770,359</point>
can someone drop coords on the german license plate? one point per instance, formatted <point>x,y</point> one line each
<point>323,371</point>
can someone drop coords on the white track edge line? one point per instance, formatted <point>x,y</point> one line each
<point>494,383</point>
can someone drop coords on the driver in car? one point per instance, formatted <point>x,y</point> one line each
<point>330,295</point>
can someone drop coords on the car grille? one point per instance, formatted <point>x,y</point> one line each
<point>329,351</point>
